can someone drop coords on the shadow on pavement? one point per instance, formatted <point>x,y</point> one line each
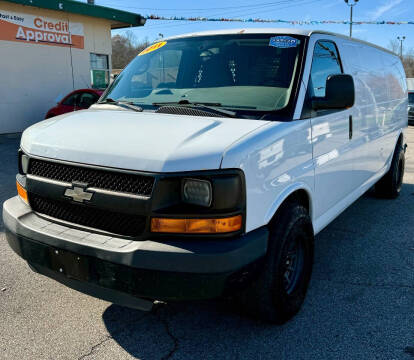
<point>196,328</point>
<point>348,303</point>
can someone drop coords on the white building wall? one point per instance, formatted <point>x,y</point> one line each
<point>34,76</point>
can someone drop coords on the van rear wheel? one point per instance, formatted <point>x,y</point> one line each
<point>389,186</point>
<point>280,289</point>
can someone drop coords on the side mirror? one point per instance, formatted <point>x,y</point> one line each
<point>339,93</point>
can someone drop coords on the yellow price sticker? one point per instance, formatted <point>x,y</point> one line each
<point>152,48</point>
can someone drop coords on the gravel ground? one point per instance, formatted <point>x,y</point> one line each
<point>359,305</point>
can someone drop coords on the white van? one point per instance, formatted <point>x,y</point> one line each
<point>208,166</point>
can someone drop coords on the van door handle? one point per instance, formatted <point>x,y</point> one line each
<point>350,127</point>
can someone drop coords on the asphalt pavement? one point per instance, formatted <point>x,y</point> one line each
<point>360,304</point>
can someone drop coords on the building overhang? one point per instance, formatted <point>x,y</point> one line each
<point>118,19</point>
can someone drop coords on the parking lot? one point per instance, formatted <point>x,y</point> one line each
<point>360,303</point>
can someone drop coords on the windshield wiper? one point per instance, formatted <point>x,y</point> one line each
<point>204,105</point>
<point>124,104</point>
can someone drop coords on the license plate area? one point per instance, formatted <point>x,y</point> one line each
<point>69,264</point>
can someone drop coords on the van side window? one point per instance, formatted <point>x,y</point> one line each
<point>325,62</point>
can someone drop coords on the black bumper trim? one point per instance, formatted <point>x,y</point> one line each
<point>186,255</point>
<point>184,269</point>
<point>96,291</point>
<point>116,283</point>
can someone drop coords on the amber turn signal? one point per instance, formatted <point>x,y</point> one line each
<point>196,226</point>
<point>22,192</point>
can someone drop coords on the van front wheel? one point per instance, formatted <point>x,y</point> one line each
<point>390,184</point>
<point>278,293</point>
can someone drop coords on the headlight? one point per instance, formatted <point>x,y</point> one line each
<point>197,192</point>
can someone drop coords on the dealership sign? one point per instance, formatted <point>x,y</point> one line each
<point>40,30</point>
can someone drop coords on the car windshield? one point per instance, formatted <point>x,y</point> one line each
<point>411,98</point>
<point>238,72</point>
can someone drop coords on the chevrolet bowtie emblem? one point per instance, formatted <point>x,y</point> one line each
<point>79,194</point>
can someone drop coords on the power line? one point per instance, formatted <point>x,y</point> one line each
<point>271,6</point>
<point>303,2</point>
<point>291,22</point>
<point>204,9</point>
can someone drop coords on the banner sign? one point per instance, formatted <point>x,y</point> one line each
<point>40,30</point>
<point>291,22</point>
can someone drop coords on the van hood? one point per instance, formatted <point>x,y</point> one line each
<point>143,141</point>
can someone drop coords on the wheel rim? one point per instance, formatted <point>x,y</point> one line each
<point>293,265</point>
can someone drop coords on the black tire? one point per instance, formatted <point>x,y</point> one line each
<point>389,186</point>
<point>271,297</point>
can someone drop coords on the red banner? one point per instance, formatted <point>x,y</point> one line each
<point>40,30</point>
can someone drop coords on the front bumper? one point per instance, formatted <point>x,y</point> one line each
<point>119,270</point>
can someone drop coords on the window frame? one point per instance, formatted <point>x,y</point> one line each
<point>107,70</point>
<point>307,111</point>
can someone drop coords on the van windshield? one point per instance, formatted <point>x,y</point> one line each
<point>238,72</point>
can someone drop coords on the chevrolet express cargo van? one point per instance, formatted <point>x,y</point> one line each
<point>208,167</point>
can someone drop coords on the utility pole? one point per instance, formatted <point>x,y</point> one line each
<point>351,4</point>
<point>401,39</point>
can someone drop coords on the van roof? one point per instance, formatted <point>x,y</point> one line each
<point>292,31</point>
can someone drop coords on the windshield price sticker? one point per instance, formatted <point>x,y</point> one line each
<point>152,48</point>
<point>283,42</point>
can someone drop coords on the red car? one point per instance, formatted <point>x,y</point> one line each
<point>76,100</point>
